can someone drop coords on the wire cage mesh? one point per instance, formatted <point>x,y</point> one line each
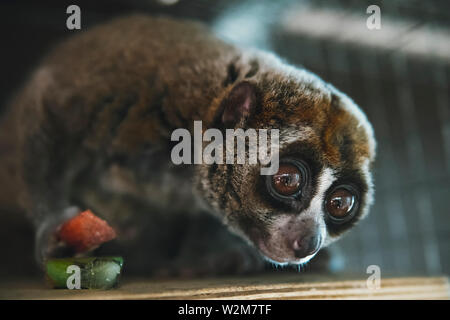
<point>406,97</point>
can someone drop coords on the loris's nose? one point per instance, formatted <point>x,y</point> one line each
<point>306,246</point>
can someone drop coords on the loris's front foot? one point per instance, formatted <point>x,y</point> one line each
<point>234,259</point>
<point>209,249</point>
<point>47,244</point>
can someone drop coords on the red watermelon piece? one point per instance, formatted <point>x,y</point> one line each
<point>85,231</point>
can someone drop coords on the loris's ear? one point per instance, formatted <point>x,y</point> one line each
<point>238,105</point>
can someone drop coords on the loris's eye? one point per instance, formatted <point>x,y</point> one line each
<point>289,180</point>
<point>341,203</point>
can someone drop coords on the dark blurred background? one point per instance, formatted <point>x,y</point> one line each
<point>399,75</point>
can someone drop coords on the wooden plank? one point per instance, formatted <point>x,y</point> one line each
<point>273,287</point>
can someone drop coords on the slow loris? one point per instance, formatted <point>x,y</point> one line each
<point>93,130</point>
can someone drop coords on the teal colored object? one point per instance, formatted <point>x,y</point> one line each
<point>84,273</point>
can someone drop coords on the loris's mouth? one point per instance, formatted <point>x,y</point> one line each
<point>289,239</point>
<point>279,260</point>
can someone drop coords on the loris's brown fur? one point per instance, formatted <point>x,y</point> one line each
<point>93,128</point>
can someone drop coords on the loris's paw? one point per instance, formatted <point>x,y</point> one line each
<point>207,248</point>
<point>46,243</point>
<point>235,260</point>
